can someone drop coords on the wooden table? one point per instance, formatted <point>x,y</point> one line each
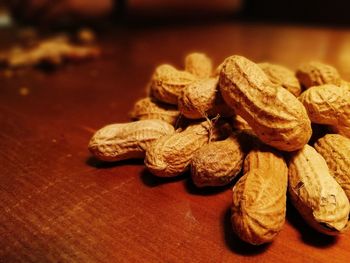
<point>57,204</point>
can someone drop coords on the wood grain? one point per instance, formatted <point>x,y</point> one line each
<point>57,204</point>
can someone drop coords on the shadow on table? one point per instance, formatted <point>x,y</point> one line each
<point>234,243</point>
<point>307,234</point>
<point>192,189</point>
<point>93,162</point>
<point>207,190</point>
<point>151,180</point>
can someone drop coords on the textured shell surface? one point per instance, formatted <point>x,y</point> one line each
<point>122,141</point>
<point>203,99</point>
<point>327,103</point>
<point>259,197</point>
<point>335,149</point>
<point>242,125</point>
<point>171,155</point>
<point>275,115</point>
<point>217,163</point>
<point>282,76</point>
<point>199,64</point>
<point>167,83</point>
<point>315,193</point>
<point>316,73</point>
<point>146,109</point>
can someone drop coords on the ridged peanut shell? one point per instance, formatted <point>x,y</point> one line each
<point>316,73</point>
<point>199,65</point>
<point>167,83</point>
<point>146,109</point>
<point>259,197</point>
<point>275,115</point>
<point>329,104</point>
<point>326,104</point>
<point>282,76</point>
<point>335,149</point>
<point>202,99</point>
<point>217,163</point>
<point>123,141</point>
<point>315,193</point>
<point>171,155</point>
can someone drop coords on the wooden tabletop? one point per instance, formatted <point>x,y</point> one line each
<point>58,204</point>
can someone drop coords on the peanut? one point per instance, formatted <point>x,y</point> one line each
<point>146,109</point>
<point>335,149</point>
<point>201,99</point>
<point>315,73</point>
<point>259,197</point>
<point>328,104</point>
<point>275,115</point>
<point>171,155</point>
<point>123,141</point>
<point>199,65</point>
<point>282,76</point>
<point>315,193</point>
<point>167,83</point>
<point>217,163</point>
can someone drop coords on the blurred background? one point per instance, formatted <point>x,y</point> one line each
<point>68,12</point>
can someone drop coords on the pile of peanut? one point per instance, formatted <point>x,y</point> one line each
<point>255,117</point>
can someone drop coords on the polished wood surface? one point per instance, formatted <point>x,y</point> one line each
<point>58,204</point>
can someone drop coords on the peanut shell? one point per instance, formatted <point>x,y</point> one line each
<point>335,149</point>
<point>217,163</point>
<point>315,193</point>
<point>282,76</point>
<point>116,142</point>
<point>316,73</point>
<point>259,197</point>
<point>202,99</point>
<point>275,115</point>
<point>328,104</point>
<point>167,83</point>
<point>171,155</point>
<point>199,65</point>
<point>146,109</point>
